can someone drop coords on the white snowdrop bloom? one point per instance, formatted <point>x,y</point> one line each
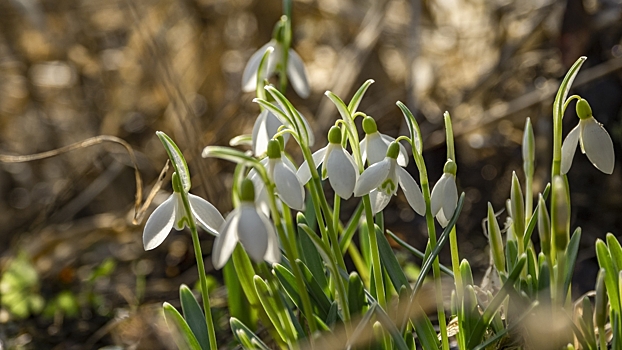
<point>267,125</point>
<point>250,227</point>
<point>282,172</point>
<point>444,197</point>
<point>296,71</point>
<point>171,214</point>
<point>381,180</point>
<point>339,166</point>
<point>374,145</point>
<point>594,140</point>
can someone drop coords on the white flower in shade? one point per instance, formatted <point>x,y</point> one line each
<point>374,145</point>
<point>444,197</point>
<point>594,140</point>
<point>296,71</point>
<point>339,166</point>
<point>171,214</point>
<point>250,227</point>
<point>381,180</point>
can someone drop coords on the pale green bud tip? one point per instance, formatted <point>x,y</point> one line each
<point>394,150</point>
<point>584,110</point>
<point>274,149</point>
<point>334,135</point>
<point>369,125</point>
<point>450,167</point>
<point>247,191</point>
<point>301,218</point>
<point>177,187</point>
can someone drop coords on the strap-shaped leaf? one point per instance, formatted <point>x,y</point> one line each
<point>288,281</point>
<point>177,158</point>
<point>413,127</point>
<point>611,275</point>
<point>425,330</point>
<point>615,250</point>
<point>269,304</point>
<point>390,263</point>
<point>387,323</point>
<point>194,316</point>
<point>358,96</point>
<point>356,294</point>
<point>240,330</point>
<point>416,252</point>
<point>564,88</point>
<point>182,334</point>
<point>571,257</point>
<point>475,337</point>
<point>310,255</point>
<point>315,290</point>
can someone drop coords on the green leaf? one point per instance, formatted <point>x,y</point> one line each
<point>413,127</point>
<point>331,318</point>
<point>615,250</point>
<point>390,263</point>
<point>356,294</point>
<point>182,334</point>
<point>268,302</point>
<point>611,275</point>
<point>315,290</point>
<point>387,323</point>
<point>288,281</point>
<point>564,88</point>
<point>178,160</point>
<point>475,337</point>
<point>194,316</point>
<point>311,257</point>
<point>237,302</point>
<point>341,106</point>
<point>238,328</point>
<point>358,96</point>
<point>571,257</point>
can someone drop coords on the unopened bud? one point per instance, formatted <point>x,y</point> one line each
<point>600,312</point>
<point>560,209</point>
<point>495,240</point>
<point>517,205</point>
<point>544,227</point>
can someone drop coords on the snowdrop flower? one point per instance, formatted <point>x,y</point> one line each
<point>374,146</point>
<point>594,140</point>
<point>249,227</point>
<point>444,197</point>
<point>339,166</point>
<point>381,179</point>
<point>172,214</point>
<point>295,68</point>
<point>266,126</point>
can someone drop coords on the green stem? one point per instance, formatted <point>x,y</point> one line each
<point>292,254</point>
<point>198,254</point>
<point>375,254</point>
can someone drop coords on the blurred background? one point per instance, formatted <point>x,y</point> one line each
<point>73,272</point>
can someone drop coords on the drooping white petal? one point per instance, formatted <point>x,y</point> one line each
<point>402,157</point>
<point>450,197</point>
<point>206,215</point>
<point>597,145</point>
<point>569,147</point>
<point>437,196</point>
<point>266,125</point>
<point>249,77</point>
<point>411,191</point>
<point>379,200</point>
<point>159,224</point>
<point>273,252</point>
<point>297,74</point>
<point>372,177</point>
<point>288,186</point>
<point>376,148</point>
<point>342,172</point>
<point>304,173</point>
<point>442,218</point>
<point>253,231</point>
<point>225,242</point>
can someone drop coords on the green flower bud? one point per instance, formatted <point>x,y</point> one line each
<point>495,240</point>
<point>529,143</point>
<point>334,135</point>
<point>544,227</point>
<point>517,205</point>
<point>369,125</point>
<point>450,167</point>
<point>301,218</point>
<point>274,149</point>
<point>560,214</point>
<point>247,191</point>
<point>394,150</point>
<point>600,312</point>
<point>584,110</point>
<point>177,187</point>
